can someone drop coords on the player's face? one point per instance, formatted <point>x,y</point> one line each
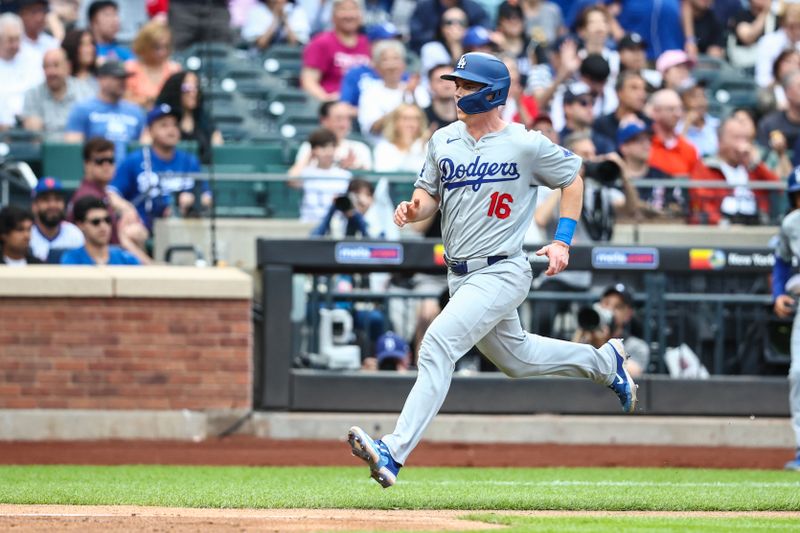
<point>465,88</point>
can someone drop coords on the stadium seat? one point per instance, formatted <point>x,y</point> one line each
<point>240,199</point>
<point>257,155</point>
<point>23,145</point>
<point>283,51</point>
<point>283,201</point>
<point>63,161</point>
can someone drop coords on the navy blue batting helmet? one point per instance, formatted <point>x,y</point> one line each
<point>487,70</point>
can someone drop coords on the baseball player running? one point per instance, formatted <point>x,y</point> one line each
<point>785,304</point>
<point>483,173</point>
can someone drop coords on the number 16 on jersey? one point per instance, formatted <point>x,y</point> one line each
<point>500,205</point>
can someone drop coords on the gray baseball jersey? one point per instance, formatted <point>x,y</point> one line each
<point>789,237</point>
<point>487,189</point>
<point>789,247</point>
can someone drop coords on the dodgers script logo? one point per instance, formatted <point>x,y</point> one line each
<point>483,172</point>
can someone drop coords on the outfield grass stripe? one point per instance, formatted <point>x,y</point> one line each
<point>470,489</point>
<point>564,483</point>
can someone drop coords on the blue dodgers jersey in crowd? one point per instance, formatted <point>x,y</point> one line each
<point>120,123</point>
<point>114,52</point>
<point>116,256</point>
<point>152,192</point>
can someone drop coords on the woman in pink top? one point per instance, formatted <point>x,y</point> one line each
<point>152,66</point>
<point>330,54</point>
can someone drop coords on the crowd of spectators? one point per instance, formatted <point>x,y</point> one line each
<point>582,70</point>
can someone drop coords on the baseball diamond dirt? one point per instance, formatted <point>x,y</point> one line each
<point>95,518</point>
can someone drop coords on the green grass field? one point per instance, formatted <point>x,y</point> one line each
<point>473,490</point>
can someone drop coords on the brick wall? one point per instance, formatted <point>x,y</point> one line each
<point>125,353</point>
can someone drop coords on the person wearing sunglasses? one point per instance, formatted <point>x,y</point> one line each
<point>447,44</point>
<point>99,165</point>
<point>578,116</point>
<point>94,220</point>
<point>432,14</point>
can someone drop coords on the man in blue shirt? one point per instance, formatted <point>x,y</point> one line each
<point>104,24</point>
<point>156,179</point>
<point>93,219</point>
<point>107,115</point>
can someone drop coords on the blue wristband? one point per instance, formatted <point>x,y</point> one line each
<point>565,230</point>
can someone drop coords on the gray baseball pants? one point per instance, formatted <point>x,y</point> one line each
<point>794,379</point>
<point>483,311</point>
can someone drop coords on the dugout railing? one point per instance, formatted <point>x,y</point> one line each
<point>715,300</point>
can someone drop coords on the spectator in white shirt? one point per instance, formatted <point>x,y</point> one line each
<point>34,19</point>
<point>349,154</point>
<point>20,69</point>
<point>381,97</point>
<point>51,234</point>
<point>402,148</point>
<point>772,44</point>
<point>321,181</point>
<point>276,21</point>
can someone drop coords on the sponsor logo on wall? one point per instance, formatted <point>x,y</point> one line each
<point>706,259</point>
<point>369,254</point>
<point>625,258</point>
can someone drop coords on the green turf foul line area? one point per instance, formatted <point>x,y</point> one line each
<point>636,524</point>
<point>468,489</point>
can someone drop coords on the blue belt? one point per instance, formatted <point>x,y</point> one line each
<point>462,268</point>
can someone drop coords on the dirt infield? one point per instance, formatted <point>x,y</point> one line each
<point>48,518</point>
<point>70,518</point>
<point>250,451</point>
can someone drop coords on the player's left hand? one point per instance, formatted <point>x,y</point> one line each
<point>558,254</point>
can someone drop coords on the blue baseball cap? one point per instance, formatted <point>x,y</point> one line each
<point>387,30</point>
<point>160,111</point>
<point>46,185</point>
<point>390,345</point>
<point>476,36</point>
<point>629,131</point>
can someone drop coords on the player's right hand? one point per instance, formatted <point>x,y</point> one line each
<point>557,253</point>
<point>406,212</point>
<point>784,306</point>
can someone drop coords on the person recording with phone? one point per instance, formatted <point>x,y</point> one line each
<point>347,212</point>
